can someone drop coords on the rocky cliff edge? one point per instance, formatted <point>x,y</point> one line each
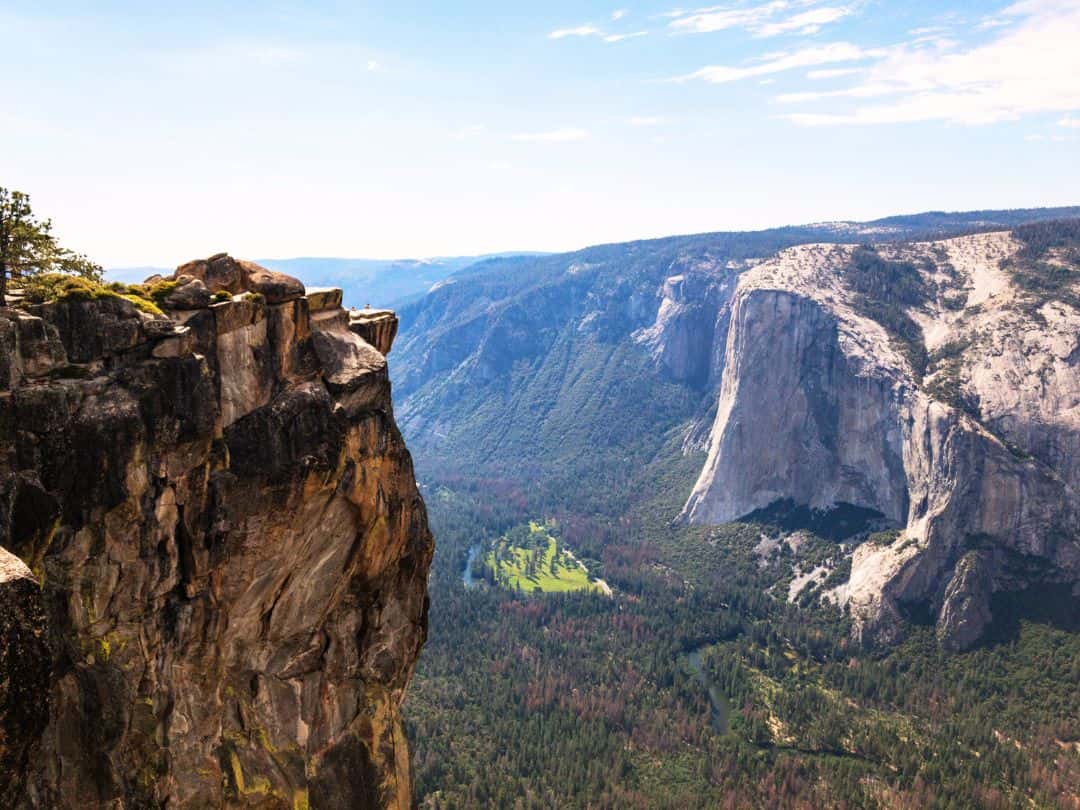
<point>214,563</point>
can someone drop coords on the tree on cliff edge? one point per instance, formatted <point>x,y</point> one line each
<point>27,246</point>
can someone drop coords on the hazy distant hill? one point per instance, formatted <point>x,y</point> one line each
<point>379,282</point>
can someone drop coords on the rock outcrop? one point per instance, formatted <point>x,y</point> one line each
<point>220,590</point>
<point>956,416</point>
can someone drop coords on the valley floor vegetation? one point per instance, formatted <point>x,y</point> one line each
<point>530,559</point>
<point>577,702</point>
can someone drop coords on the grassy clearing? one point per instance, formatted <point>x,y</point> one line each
<point>530,559</point>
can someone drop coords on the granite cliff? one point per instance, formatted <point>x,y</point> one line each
<point>931,380</point>
<point>935,383</point>
<point>214,562</point>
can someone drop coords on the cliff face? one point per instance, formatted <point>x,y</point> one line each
<point>974,456</point>
<point>224,590</point>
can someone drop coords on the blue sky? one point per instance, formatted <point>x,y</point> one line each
<point>413,129</point>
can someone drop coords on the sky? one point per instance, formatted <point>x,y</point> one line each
<point>152,136</point>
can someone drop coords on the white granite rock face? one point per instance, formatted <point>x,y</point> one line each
<point>817,405</point>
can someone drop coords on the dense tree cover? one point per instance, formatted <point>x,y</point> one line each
<point>577,700</point>
<point>884,290</point>
<point>1046,267</point>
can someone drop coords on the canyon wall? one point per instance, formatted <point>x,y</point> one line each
<point>964,435</point>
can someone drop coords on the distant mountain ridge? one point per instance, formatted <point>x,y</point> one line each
<point>387,283</point>
<point>587,376</point>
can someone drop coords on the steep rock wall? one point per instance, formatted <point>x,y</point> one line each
<point>817,405</point>
<point>229,546</point>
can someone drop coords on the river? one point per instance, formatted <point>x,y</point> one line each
<point>719,708</point>
<point>466,576</point>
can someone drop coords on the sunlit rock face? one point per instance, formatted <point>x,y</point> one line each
<point>977,461</point>
<point>222,552</point>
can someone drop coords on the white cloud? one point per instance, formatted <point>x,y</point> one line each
<point>590,30</point>
<point>1030,67</point>
<point>719,18</point>
<point>806,23</point>
<point>762,20</point>
<point>579,31</point>
<point>618,14</point>
<point>780,62</point>
<point>567,135</point>
<point>1069,121</point>
<point>645,121</point>
<point>928,29</point>
<point>373,66</point>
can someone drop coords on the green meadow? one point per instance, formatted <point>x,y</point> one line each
<point>530,559</point>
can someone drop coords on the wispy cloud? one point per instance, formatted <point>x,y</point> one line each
<point>1029,67</point>
<point>784,61</point>
<point>764,20</point>
<point>1069,121</point>
<point>566,135</point>
<point>578,31</point>
<point>590,30</point>
<point>806,23</point>
<point>645,121</point>
<point>618,14</point>
<point>719,18</point>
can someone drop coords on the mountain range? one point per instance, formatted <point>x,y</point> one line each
<point>783,366</point>
<point>382,283</point>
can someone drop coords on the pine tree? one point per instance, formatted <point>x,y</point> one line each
<point>27,246</point>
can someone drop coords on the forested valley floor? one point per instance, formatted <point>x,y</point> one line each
<point>577,700</point>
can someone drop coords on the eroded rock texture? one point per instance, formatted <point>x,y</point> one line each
<point>231,549</point>
<point>974,456</point>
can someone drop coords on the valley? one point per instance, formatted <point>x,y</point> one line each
<point>733,666</point>
<point>658,464</point>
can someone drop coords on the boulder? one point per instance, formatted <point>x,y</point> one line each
<point>276,288</point>
<point>193,294</point>
<point>221,272</point>
<point>353,370</point>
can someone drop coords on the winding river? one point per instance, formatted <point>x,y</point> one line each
<point>467,578</point>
